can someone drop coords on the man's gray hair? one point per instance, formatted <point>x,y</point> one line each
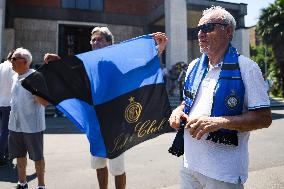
<point>105,31</point>
<point>24,53</point>
<point>224,15</point>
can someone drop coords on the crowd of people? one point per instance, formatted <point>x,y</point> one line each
<point>23,129</point>
<point>224,99</point>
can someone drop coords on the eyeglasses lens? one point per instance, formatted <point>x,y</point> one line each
<point>206,28</point>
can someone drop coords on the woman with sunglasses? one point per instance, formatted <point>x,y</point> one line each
<point>224,99</point>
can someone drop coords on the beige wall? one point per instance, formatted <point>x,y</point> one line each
<point>39,36</point>
<point>122,32</point>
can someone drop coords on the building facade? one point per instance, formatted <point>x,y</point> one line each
<point>64,26</point>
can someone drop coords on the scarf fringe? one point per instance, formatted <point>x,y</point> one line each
<point>177,148</point>
<point>223,137</point>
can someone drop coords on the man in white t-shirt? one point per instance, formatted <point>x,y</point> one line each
<point>216,144</point>
<point>6,74</point>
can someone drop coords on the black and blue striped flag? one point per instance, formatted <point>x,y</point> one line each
<point>116,95</point>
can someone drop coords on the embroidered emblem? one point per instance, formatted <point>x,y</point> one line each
<point>232,101</point>
<point>132,111</point>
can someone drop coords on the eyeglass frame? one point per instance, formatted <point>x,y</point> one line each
<point>209,27</point>
<point>16,58</point>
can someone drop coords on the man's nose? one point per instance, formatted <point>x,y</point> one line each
<point>201,34</point>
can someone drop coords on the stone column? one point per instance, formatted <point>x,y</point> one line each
<point>2,25</point>
<point>176,30</point>
<point>241,41</point>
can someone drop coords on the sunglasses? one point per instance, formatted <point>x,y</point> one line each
<point>209,27</point>
<point>16,58</point>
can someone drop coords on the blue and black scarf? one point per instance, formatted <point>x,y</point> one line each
<point>228,98</point>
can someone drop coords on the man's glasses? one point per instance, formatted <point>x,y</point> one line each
<point>16,58</point>
<point>209,27</point>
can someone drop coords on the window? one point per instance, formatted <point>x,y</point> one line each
<point>83,4</point>
<point>73,39</point>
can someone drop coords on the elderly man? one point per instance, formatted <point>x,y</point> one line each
<point>102,37</point>
<point>225,98</point>
<point>26,123</point>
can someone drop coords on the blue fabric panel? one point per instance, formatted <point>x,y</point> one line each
<point>85,118</point>
<point>123,70</point>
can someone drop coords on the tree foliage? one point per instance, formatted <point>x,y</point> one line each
<point>263,56</point>
<point>271,28</point>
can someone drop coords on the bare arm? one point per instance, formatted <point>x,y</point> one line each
<point>252,120</point>
<point>50,57</point>
<point>161,40</point>
<point>41,101</point>
<point>249,121</point>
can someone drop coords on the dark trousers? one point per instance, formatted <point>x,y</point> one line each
<point>4,132</point>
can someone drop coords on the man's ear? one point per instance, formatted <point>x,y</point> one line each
<point>26,64</point>
<point>229,32</point>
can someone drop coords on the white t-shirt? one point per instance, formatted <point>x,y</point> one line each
<point>6,74</point>
<point>219,161</point>
<point>26,115</point>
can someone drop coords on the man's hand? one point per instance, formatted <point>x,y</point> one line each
<point>161,40</point>
<point>201,125</point>
<point>176,117</point>
<point>50,57</point>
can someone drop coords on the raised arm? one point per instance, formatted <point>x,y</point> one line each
<point>50,57</point>
<point>161,40</point>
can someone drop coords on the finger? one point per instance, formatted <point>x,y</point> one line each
<point>200,134</point>
<point>190,122</point>
<point>187,126</point>
<point>176,122</point>
<point>193,127</point>
<point>45,58</point>
<point>197,130</point>
<point>185,117</point>
<point>173,122</point>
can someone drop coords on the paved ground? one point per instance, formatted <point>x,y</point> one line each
<point>149,165</point>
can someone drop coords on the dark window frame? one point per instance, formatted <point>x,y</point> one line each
<point>73,4</point>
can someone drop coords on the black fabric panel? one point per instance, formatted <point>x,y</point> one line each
<point>120,135</point>
<point>230,66</point>
<point>60,80</point>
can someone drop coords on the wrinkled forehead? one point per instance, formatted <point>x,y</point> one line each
<point>211,17</point>
<point>97,34</point>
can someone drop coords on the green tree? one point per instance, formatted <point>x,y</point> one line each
<point>271,28</point>
<point>263,56</point>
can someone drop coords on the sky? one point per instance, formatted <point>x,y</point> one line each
<point>253,9</point>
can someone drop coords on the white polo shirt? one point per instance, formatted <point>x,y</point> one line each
<point>26,115</point>
<point>219,161</point>
<point>6,74</point>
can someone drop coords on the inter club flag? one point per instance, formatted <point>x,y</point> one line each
<point>116,95</point>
